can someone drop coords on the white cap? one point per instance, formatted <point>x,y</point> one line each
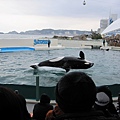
<point>102,99</point>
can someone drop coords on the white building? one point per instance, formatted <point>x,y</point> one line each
<point>113,28</point>
<point>103,24</point>
<point>112,18</point>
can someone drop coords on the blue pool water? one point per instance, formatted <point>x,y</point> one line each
<point>15,66</point>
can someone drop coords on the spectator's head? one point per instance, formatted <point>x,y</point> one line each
<point>44,98</point>
<point>75,92</point>
<point>16,91</point>
<point>102,99</point>
<point>9,105</point>
<point>106,90</point>
<point>103,96</point>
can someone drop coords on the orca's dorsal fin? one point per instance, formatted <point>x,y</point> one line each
<point>82,55</point>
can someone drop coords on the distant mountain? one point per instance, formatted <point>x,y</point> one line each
<point>13,32</point>
<point>51,32</point>
<point>1,33</point>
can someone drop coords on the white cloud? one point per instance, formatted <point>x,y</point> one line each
<point>27,22</point>
<point>23,15</point>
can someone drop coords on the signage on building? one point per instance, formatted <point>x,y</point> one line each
<point>37,41</point>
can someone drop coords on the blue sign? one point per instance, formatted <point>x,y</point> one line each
<point>110,21</point>
<point>40,42</point>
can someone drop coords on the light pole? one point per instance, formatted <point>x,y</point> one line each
<point>35,73</point>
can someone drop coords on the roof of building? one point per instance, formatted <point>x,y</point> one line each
<point>112,27</point>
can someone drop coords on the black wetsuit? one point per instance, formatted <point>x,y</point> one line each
<point>49,42</point>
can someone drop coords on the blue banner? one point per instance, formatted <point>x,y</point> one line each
<point>40,41</point>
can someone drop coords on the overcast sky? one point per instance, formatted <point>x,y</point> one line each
<point>23,15</point>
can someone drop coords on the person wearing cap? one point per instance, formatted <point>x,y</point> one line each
<point>40,109</point>
<point>104,101</point>
<point>75,94</point>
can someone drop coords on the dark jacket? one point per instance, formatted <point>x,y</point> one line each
<point>93,115</point>
<point>40,110</point>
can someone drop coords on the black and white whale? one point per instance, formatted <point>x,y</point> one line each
<point>66,63</point>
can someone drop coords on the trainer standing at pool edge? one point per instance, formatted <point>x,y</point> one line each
<point>49,42</point>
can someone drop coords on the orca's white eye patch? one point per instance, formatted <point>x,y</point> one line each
<point>87,63</point>
<point>56,59</point>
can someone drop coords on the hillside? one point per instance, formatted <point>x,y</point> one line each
<point>51,32</point>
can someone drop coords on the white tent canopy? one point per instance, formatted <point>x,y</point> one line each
<point>114,26</point>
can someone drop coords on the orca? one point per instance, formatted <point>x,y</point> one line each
<point>66,63</point>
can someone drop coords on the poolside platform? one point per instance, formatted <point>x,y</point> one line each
<point>87,44</point>
<point>15,45</point>
<point>50,48</point>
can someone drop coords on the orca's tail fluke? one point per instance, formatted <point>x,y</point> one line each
<point>34,66</point>
<point>82,55</point>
